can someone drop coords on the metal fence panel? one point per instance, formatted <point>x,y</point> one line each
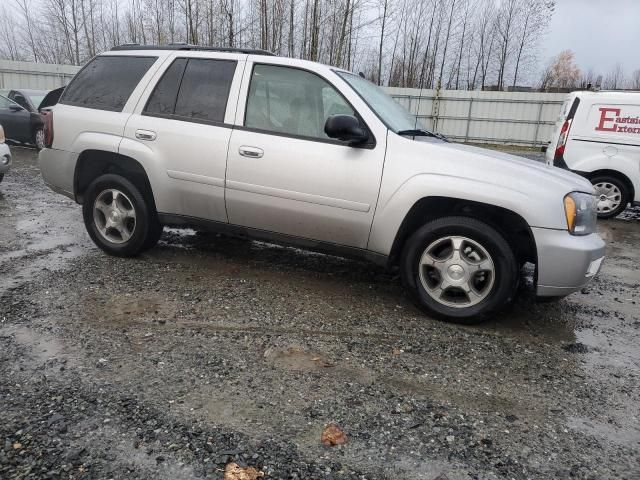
<point>38,76</point>
<point>519,118</point>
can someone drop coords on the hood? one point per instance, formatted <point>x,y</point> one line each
<point>521,173</point>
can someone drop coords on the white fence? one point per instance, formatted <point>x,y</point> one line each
<point>513,118</point>
<point>38,76</point>
<point>464,116</point>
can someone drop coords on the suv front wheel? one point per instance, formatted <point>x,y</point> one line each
<point>459,269</point>
<point>118,218</point>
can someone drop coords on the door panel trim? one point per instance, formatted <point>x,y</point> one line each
<point>299,196</point>
<point>192,177</point>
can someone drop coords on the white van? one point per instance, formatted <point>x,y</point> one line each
<point>598,136</point>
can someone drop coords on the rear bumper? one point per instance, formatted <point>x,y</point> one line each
<point>58,170</point>
<point>5,158</point>
<point>566,263</point>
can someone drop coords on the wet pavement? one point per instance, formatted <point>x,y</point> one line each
<point>208,350</point>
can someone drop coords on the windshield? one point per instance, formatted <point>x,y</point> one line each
<point>390,112</point>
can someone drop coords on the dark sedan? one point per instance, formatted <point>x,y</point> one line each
<point>21,124</point>
<point>27,98</point>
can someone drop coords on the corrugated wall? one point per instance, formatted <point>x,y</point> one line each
<point>514,118</point>
<point>39,76</point>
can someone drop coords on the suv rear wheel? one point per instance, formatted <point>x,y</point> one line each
<point>459,269</point>
<point>613,195</point>
<point>118,218</point>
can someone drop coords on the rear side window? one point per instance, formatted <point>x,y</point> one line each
<point>195,89</point>
<point>106,83</point>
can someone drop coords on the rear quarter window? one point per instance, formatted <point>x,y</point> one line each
<point>106,83</point>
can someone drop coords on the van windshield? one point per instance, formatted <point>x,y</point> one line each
<point>386,108</point>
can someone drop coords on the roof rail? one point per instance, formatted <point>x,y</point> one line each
<point>186,46</point>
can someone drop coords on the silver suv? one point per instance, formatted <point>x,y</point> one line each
<point>299,153</point>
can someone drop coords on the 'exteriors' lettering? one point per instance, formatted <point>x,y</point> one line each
<point>611,123</point>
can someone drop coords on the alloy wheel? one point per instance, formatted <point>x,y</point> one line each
<point>457,271</point>
<point>114,216</point>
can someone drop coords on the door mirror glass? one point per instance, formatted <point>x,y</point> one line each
<point>346,128</point>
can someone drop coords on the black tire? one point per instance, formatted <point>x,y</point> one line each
<point>505,280</point>
<point>155,232</point>
<point>38,138</point>
<point>624,193</point>
<point>1,177</point>
<point>147,229</point>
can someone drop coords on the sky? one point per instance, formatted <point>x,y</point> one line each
<point>601,33</point>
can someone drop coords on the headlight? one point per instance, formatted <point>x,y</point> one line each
<point>580,209</point>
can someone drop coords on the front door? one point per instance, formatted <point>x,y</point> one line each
<point>186,125</point>
<point>285,175</point>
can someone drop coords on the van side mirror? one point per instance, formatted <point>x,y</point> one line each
<point>346,128</point>
<point>15,108</point>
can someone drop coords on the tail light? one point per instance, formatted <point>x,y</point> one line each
<point>564,132</point>
<point>47,116</point>
<point>562,139</point>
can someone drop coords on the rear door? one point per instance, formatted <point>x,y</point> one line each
<point>183,125</point>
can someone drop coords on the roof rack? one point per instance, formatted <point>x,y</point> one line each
<point>186,46</point>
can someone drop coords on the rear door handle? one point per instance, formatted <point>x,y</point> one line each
<point>145,135</point>
<point>251,152</point>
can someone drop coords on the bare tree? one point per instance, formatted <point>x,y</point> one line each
<point>413,43</point>
<point>634,81</point>
<point>614,80</point>
<point>561,72</point>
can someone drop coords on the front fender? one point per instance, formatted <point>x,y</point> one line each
<point>539,211</point>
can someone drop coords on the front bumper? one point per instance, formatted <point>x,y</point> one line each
<point>566,263</point>
<point>58,170</point>
<point>5,158</point>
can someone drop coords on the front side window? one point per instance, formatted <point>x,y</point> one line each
<point>106,83</point>
<point>291,101</point>
<point>195,89</point>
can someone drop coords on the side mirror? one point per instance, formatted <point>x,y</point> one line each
<point>346,128</point>
<point>15,108</point>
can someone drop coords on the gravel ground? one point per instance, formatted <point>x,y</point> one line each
<point>208,350</point>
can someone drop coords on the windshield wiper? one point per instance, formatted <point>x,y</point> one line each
<point>423,133</point>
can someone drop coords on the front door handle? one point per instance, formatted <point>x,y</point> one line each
<point>251,152</point>
<point>147,135</point>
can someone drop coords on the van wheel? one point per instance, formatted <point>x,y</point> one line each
<point>459,269</point>
<point>613,195</point>
<point>118,218</point>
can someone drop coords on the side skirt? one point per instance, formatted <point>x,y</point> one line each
<point>184,221</point>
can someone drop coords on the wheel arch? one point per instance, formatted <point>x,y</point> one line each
<point>93,163</point>
<point>510,224</point>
